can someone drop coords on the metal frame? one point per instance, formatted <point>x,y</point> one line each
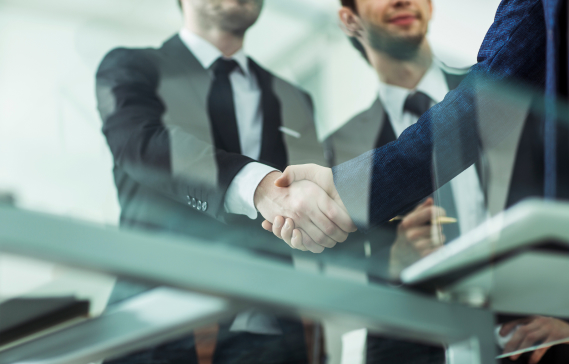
<point>243,279</point>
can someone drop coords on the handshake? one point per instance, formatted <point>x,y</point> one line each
<point>302,207</point>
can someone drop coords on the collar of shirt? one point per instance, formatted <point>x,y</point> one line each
<point>206,53</point>
<point>433,84</point>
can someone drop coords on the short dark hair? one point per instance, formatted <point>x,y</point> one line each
<point>349,4</point>
<point>355,42</point>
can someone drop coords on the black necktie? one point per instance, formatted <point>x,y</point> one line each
<point>418,104</point>
<point>221,108</point>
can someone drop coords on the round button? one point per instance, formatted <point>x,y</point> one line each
<point>204,206</point>
<point>199,205</point>
<point>193,202</point>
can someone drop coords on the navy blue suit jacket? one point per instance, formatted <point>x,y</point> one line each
<point>384,182</point>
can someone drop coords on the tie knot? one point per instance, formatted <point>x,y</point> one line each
<point>223,67</point>
<point>417,103</point>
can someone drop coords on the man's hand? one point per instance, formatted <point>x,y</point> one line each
<point>286,228</point>
<point>308,207</point>
<point>322,176</point>
<point>532,331</point>
<point>416,237</point>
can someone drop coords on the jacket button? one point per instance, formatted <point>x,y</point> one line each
<point>204,206</point>
<point>199,205</point>
<point>193,202</point>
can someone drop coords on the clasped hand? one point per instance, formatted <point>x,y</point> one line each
<point>306,198</point>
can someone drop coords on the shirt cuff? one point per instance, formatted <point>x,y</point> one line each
<point>240,196</point>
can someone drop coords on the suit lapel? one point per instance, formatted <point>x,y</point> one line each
<point>198,78</point>
<point>273,149</point>
<point>386,135</point>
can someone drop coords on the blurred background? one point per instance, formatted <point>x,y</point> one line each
<point>50,50</point>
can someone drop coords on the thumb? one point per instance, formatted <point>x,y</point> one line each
<point>291,175</point>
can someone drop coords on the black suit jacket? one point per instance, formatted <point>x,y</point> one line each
<point>171,177</point>
<point>168,172</point>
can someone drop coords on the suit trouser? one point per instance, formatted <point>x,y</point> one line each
<point>231,347</point>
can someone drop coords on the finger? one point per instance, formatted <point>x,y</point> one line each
<point>326,225</point>
<point>296,240</point>
<point>508,327</point>
<point>277,226</point>
<point>423,244</point>
<point>338,216</point>
<point>521,335</point>
<point>533,338</point>
<point>292,174</point>
<point>298,236</point>
<point>537,355</point>
<point>428,202</point>
<point>267,226</point>
<point>422,216</point>
<point>418,233</point>
<point>426,247</point>
<point>286,231</point>
<point>426,252</point>
<point>316,235</point>
<point>308,243</point>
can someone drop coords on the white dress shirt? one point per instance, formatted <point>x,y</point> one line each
<point>466,189</point>
<point>239,198</point>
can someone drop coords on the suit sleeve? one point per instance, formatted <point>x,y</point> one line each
<point>381,183</point>
<point>164,158</point>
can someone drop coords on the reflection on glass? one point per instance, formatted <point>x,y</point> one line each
<point>197,132</point>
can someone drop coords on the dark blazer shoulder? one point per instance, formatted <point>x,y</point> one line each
<point>356,136</point>
<point>365,117</point>
<point>454,76</point>
<point>131,57</point>
<point>143,59</point>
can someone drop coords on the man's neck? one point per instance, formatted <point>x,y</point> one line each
<point>228,43</point>
<point>403,73</point>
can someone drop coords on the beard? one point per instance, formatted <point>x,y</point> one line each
<point>234,19</point>
<point>399,47</point>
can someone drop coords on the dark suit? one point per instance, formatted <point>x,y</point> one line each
<point>522,46</point>
<point>520,160</point>
<point>384,182</point>
<point>370,129</point>
<point>171,177</point>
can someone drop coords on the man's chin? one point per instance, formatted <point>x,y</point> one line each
<point>406,33</point>
<point>237,23</point>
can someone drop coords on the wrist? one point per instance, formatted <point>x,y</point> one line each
<point>265,188</point>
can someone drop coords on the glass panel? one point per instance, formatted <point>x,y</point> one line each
<point>158,137</point>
